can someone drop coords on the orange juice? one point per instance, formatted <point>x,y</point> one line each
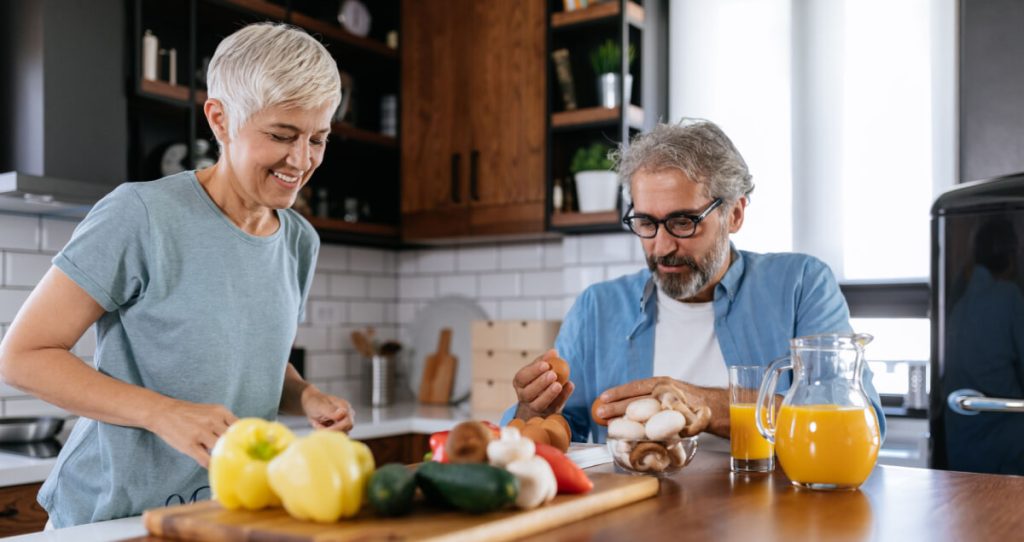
<point>829,445</point>
<point>747,442</point>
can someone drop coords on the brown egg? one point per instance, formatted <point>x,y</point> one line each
<point>535,420</point>
<point>560,367</point>
<point>556,434</point>
<point>536,433</point>
<point>598,403</point>
<point>517,423</point>
<point>561,420</point>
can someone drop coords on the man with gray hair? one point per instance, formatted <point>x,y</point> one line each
<point>700,306</point>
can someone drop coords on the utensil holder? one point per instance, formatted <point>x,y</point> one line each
<point>382,380</point>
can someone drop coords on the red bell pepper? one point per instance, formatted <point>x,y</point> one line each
<point>570,478</point>
<point>437,442</point>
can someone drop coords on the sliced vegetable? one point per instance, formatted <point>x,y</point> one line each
<point>570,477</point>
<point>391,490</point>
<point>471,487</point>
<point>238,463</point>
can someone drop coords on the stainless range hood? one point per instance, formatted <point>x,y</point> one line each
<point>63,133</point>
<point>24,193</point>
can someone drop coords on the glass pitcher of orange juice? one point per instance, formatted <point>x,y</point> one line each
<point>826,432</point>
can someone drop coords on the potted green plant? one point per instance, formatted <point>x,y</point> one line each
<point>596,184</point>
<point>606,61</point>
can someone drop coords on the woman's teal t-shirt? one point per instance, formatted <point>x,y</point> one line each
<point>197,310</point>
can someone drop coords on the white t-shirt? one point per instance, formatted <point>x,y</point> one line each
<point>686,348</point>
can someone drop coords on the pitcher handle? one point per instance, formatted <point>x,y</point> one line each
<point>765,410</point>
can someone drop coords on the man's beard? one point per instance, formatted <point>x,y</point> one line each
<point>688,283</point>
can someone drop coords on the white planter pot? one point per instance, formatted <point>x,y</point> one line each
<point>596,190</point>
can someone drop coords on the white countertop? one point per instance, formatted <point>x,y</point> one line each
<point>398,419</point>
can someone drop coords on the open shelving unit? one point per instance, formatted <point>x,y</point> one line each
<point>360,162</point>
<point>641,24</point>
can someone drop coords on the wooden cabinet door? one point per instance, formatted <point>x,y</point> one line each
<point>434,134</point>
<point>506,88</point>
<point>19,511</point>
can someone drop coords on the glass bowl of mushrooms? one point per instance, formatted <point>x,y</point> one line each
<point>658,434</point>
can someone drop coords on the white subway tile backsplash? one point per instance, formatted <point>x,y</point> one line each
<point>406,312</point>
<point>311,337</point>
<point>417,287</point>
<point>408,262</point>
<point>577,279</point>
<point>464,285</point>
<point>383,287</point>
<point>638,251</point>
<point>613,247</point>
<point>340,337</point>
<point>390,311</point>
<point>332,258</point>
<point>348,285</point>
<point>554,309</point>
<point>571,249</point>
<point>525,310</point>
<point>490,307</point>
<point>327,313</point>
<point>86,346</point>
<point>437,261</point>
<point>19,232</point>
<point>366,313</point>
<point>553,255</point>
<point>368,260</point>
<point>31,407</point>
<point>326,365</point>
<point>616,271</point>
<point>520,256</point>
<point>56,233</point>
<point>10,302</point>
<point>477,259</point>
<point>321,284</point>
<point>22,269</point>
<point>543,283</point>
<point>500,285</point>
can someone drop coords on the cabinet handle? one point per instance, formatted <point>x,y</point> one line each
<point>9,512</point>
<point>474,159</point>
<point>456,160</point>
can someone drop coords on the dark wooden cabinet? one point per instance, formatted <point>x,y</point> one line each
<point>473,118</point>
<point>404,449</point>
<point>19,511</point>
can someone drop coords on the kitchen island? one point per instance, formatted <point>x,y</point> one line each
<point>707,502</point>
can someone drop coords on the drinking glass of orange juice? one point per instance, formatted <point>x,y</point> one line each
<point>751,452</point>
<point>826,433</point>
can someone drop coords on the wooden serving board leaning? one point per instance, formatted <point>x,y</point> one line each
<point>209,521</point>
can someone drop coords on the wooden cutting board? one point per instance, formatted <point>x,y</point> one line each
<point>209,521</point>
<point>439,372</point>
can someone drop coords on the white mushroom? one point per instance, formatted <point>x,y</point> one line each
<point>650,456</point>
<point>664,425</point>
<point>537,482</point>
<point>625,429</point>
<point>512,447</point>
<point>641,410</point>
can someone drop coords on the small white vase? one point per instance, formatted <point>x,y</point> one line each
<point>596,190</point>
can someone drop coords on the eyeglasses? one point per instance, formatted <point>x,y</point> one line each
<point>679,224</point>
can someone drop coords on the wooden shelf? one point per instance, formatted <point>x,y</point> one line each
<point>597,116</point>
<point>600,12</point>
<point>178,93</point>
<point>360,228</point>
<point>570,220</point>
<point>326,29</point>
<point>346,131</point>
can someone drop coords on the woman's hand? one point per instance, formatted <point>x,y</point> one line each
<point>327,411</point>
<point>191,428</point>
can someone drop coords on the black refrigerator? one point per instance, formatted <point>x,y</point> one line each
<point>976,410</point>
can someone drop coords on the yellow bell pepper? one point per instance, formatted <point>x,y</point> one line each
<point>238,463</point>
<point>322,477</point>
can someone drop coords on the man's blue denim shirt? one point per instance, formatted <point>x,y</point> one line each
<point>762,302</point>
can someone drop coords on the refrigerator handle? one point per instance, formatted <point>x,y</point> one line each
<point>971,402</point>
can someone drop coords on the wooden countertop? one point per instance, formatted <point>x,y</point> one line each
<point>707,502</point>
